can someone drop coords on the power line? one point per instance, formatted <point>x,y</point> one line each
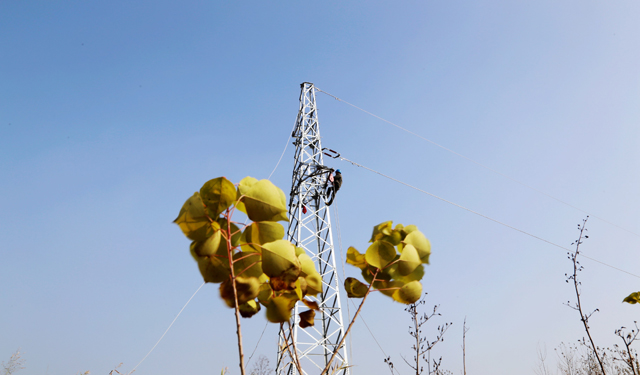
<point>283,151</point>
<point>485,216</point>
<point>335,208</point>
<point>257,343</point>
<point>194,294</point>
<point>370,332</point>
<point>480,164</point>
<point>168,328</point>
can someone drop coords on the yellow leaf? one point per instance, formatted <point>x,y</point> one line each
<point>632,298</point>
<point>214,269</point>
<point>218,195</point>
<point>421,243</point>
<point>299,288</point>
<point>247,289</point>
<point>260,233</point>
<point>249,309</point>
<point>243,187</point>
<point>381,230</point>
<point>263,201</point>
<point>193,221</point>
<point>409,260</point>
<point>279,309</point>
<point>279,260</point>
<point>355,258</point>
<point>355,288</point>
<point>380,253</point>
<point>388,287</point>
<point>209,246</point>
<point>247,264</point>
<point>409,293</point>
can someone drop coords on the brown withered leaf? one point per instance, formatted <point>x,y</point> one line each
<point>306,318</point>
<point>278,284</point>
<point>313,305</point>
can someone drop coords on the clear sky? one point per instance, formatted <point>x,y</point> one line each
<point>112,113</point>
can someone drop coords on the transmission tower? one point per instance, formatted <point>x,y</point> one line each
<point>310,228</point>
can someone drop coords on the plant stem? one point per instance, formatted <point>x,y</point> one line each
<point>295,351</point>
<point>628,340</point>
<point>414,313</point>
<point>630,358</point>
<point>235,293</point>
<point>288,347</point>
<point>464,354</point>
<point>583,317</point>
<point>326,369</point>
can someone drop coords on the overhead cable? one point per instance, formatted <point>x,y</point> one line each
<point>258,343</point>
<point>485,216</point>
<point>194,294</point>
<point>283,151</point>
<point>480,164</point>
<point>370,332</point>
<point>168,328</point>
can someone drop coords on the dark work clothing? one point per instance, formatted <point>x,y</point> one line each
<point>337,181</point>
<point>332,190</point>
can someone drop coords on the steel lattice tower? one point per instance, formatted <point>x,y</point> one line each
<point>310,228</point>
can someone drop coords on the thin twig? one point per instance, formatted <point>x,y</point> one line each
<point>583,318</point>
<point>628,340</point>
<point>293,358</point>
<point>335,351</point>
<point>414,314</point>
<point>295,351</point>
<point>464,351</point>
<point>235,292</point>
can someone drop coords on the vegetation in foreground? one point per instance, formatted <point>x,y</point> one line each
<point>255,267</point>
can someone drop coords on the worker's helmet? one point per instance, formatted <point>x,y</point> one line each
<point>338,171</point>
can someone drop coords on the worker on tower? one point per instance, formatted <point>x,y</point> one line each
<point>336,183</point>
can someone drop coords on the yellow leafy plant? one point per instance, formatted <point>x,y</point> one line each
<point>252,263</point>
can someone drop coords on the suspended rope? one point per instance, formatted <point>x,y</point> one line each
<point>480,164</point>
<point>485,216</point>
<point>344,276</point>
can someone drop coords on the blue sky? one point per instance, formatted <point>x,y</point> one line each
<point>113,113</point>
